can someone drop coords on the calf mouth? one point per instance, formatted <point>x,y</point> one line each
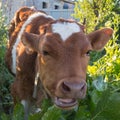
<point>65,103</point>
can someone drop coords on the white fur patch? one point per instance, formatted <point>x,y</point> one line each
<point>24,103</point>
<point>35,86</point>
<point>65,29</point>
<point>27,108</point>
<point>29,20</point>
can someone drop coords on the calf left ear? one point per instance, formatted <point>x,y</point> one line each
<point>99,38</point>
<point>31,41</point>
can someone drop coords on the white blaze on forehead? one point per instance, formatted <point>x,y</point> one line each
<point>28,21</point>
<point>65,29</point>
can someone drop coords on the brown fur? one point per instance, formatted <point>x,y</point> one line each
<point>61,64</point>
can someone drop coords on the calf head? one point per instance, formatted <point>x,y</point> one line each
<point>63,55</point>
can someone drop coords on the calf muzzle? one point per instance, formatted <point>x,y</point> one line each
<point>68,91</point>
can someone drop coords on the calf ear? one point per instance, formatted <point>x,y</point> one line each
<point>31,41</point>
<point>99,38</point>
<point>22,14</point>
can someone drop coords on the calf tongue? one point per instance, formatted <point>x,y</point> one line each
<point>65,103</point>
<point>66,100</point>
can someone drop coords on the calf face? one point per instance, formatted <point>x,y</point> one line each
<point>63,55</point>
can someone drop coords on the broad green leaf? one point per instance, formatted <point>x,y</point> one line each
<point>36,116</point>
<point>52,113</point>
<point>68,114</point>
<point>99,84</point>
<point>95,97</point>
<point>108,108</point>
<point>83,113</point>
<point>4,117</point>
<point>18,113</point>
<point>46,103</point>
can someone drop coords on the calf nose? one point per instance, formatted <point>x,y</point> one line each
<point>76,90</point>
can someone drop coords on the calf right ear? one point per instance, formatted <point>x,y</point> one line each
<point>99,38</point>
<point>31,41</point>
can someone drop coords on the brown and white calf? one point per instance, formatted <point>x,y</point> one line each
<point>50,53</point>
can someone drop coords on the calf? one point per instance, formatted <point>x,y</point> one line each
<point>50,54</point>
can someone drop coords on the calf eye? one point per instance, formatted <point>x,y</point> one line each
<point>88,53</point>
<point>45,53</point>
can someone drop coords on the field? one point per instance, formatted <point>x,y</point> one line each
<point>103,76</point>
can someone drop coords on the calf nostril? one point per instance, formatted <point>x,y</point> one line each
<point>65,87</point>
<point>73,87</point>
<point>82,86</point>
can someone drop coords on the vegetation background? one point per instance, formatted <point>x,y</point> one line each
<point>103,77</point>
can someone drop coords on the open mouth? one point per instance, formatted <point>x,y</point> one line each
<point>65,103</point>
